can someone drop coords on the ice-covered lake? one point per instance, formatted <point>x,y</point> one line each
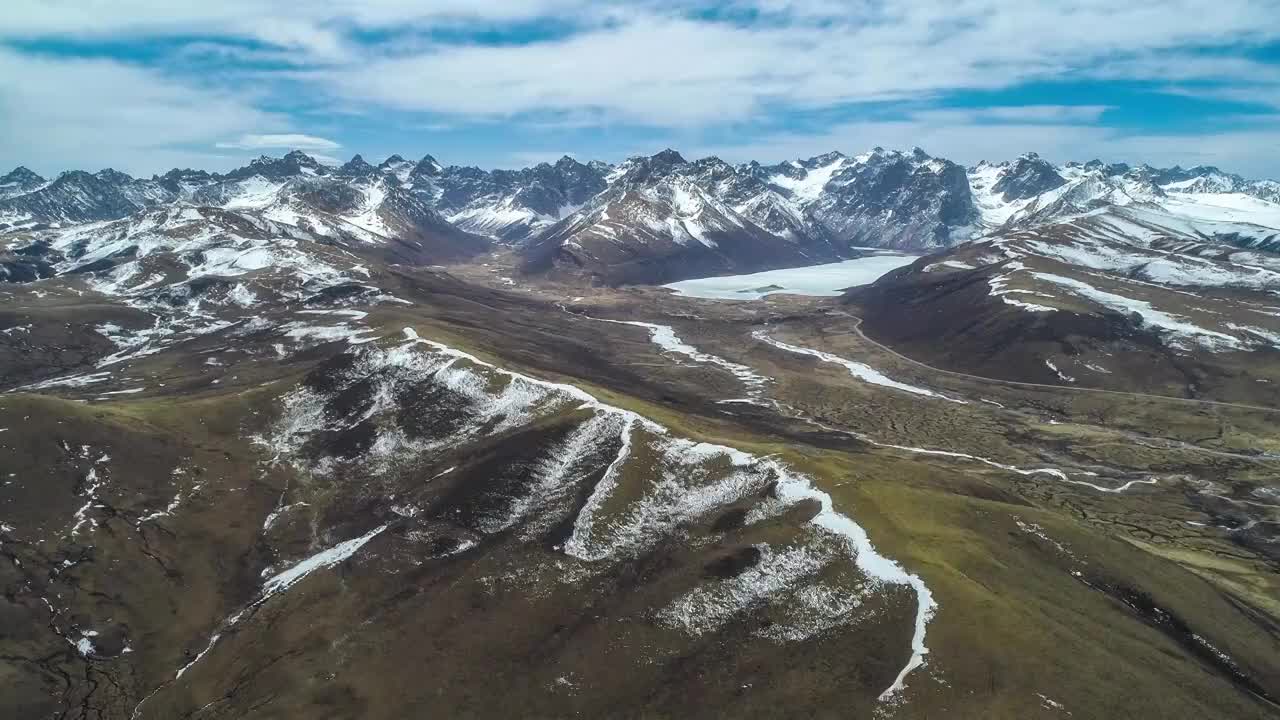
<point>823,280</point>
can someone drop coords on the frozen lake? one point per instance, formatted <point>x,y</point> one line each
<point>824,280</point>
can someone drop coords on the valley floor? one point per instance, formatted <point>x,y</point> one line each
<point>464,493</point>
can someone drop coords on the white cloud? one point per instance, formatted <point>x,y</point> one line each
<point>669,70</point>
<point>1253,152</point>
<point>1041,113</point>
<point>291,141</point>
<point>312,27</point>
<point>695,79</point>
<point>76,113</point>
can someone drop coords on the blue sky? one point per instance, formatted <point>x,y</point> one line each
<point>142,85</point>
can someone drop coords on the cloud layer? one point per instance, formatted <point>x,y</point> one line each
<point>293,141</point>
<point>770,76</point>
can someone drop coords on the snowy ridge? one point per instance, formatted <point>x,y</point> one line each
<point>681,483</point>
<point>1193,282</point>
<point>805,211</point>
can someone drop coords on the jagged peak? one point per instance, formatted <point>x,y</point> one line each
<point>113,175</point>
<point>825,158</point>
<point>356,166</point>
<point>877,153</point>
<point>299,157</point>
<point>68,175</point>
<point>710,161</point>
<point>22,172</point>
<point>294,157</point>
<point>1107,168</point>
<point>642,169</point>
<point>178,172</point>
<point>427,166</point>
<point>669,157</point>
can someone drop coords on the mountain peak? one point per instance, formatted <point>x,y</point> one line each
<point>824,159</point>
<point>356,166</point>
<point>1027,177</point>
<point>668,157</point>
<point>20,175</point>
<point>427,166</point>
<point>112,175</point>
<point>1107,169</point>
<point>19,181</point>
<point>290,165</point>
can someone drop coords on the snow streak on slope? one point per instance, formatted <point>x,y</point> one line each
<point>671,484</point>
<point>1178,330</point>
<point>664,336</point>
<point>274,586</point>
<point>809,188</point>
<point>863,372</point>
<point>328,558</point>
<point>995,210</point>
<point>877,568</point>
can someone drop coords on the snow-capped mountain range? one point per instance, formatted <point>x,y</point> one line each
<point>652,218</point>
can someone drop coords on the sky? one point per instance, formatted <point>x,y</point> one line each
<point>147,85</point>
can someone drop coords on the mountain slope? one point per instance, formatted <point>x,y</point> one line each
<point>654,225</point>
<point>513,205</point>
<point>378,491</point>
<point>79,196</point>
<point>1122,297</point>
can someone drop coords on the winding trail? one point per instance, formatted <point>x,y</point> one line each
<point>1147,441</point>
<point>857,329</point>
<point>665,337</point>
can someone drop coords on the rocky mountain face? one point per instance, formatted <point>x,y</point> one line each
<point>816,210</point>
<point>291,165</point>
<point>655,223</point>
<point>1107,281</point>
<point>18,182</point>
<point>648,219</point>
<point>513,205</point>
<point>893,199</point>
<point>1027,177</point>
<point>78,196</point>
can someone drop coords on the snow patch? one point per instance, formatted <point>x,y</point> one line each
<point>863,372</point>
